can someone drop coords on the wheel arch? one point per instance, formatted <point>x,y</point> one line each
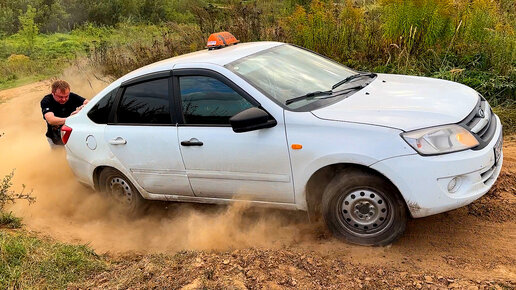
<point>317,182</point>
<point>96,175</point>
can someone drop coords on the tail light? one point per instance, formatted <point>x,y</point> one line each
<point>65,133</point>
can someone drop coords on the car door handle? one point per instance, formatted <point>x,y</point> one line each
<point>192,142</point>
<point>118,141</point>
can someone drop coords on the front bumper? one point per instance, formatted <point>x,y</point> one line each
<point>423,180</point>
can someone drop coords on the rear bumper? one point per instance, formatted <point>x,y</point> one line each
<point>423,180</point>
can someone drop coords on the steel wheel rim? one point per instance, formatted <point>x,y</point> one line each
<point>121,190</point>
<point>365,212</point>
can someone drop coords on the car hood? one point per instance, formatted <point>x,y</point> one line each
<point>404,102</point>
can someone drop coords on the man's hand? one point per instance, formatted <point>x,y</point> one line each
<point>77,110</point>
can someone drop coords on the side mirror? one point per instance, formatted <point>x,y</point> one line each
<point>250,120</point>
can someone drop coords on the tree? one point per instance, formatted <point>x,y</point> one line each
<point>7,25</point>
<point>29,29</point>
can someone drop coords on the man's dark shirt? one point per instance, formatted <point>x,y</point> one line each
<point>48,104</point>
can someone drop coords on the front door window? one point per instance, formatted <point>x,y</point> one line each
<point>207,101</point>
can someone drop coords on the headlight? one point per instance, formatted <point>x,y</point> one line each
<point>439,140</point>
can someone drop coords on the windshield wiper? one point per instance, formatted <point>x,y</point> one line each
<point>308,96</point>
<point>352,77</point>
<point>315,94</point>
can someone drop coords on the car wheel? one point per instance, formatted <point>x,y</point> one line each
<point>118,187</point>
<point>363,208</point>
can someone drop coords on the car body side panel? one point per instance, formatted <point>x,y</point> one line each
<point>152,157</point>
<point>253,165</point>
<point>82,159</point>
<point>330,142</point>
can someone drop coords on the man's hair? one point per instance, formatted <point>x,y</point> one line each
<point>60,85</point>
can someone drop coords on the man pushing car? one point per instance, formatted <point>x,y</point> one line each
<point>56,107</point>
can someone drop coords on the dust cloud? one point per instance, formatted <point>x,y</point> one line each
<point>71,212</point>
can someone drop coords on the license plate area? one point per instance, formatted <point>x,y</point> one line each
<point>498,149</point>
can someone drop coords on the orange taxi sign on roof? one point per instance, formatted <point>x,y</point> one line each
<point>221,39</point>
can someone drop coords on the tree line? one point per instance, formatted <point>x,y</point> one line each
<point>64,15</point>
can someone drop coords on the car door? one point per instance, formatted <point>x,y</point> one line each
<point>220,163</point>
<point>142,135</point>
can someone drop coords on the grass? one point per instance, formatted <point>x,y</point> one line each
<point>24,80</point>
<point>30,262</point>
<point>508,117</point>
<point>8,220</point>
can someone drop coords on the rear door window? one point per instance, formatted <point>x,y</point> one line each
<point>100,111</point>
<point>145,103</point>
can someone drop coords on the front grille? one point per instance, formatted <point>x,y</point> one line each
<point>481,122</point>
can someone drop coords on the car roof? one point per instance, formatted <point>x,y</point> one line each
<point>220,57</point>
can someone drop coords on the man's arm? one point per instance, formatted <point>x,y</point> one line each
<point>53,120</point>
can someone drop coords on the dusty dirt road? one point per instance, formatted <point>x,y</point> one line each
<point>236,247</point>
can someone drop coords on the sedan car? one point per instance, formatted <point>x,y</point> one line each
<point>277,125</point>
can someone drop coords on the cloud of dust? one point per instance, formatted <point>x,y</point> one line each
<point>71,212</point>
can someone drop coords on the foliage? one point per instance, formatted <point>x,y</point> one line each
<point>507,115</point>
<point>28,29</point>
<point>9,196</point>
<point>174,40</point>
<point>65,15</point>
<point>8,220</point>
<point>29,262</point>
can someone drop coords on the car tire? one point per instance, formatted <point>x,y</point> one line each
<point>363,208</point>
<point>120,189</point>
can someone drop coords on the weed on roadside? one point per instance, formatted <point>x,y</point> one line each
<point>8,220</point>
<point>8,196</point>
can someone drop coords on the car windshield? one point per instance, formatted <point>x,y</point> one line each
<point>285,72</point>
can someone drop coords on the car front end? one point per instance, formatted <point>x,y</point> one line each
<point>435,183</point>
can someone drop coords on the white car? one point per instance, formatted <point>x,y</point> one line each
<point>277,125</point>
